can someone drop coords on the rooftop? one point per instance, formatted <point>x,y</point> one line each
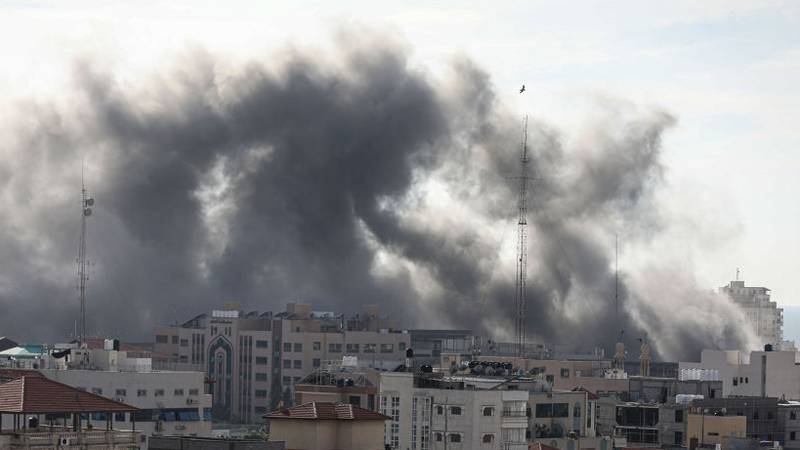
<point>36,394</point>
<point>326,411</point>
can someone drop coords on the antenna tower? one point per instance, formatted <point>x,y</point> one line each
<point>522,246</point>
<point>86,211</point>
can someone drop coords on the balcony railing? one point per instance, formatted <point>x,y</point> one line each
<point>515,413</point>
<point>78,439</point>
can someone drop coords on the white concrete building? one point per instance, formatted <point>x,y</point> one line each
<point>760,374</point>
<point>171,403</point>
<point>763,315</point>
<point>437,414</point>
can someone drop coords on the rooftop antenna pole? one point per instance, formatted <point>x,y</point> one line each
<point>83,276</point>
<point>522,248</point>
<point>616,277</point>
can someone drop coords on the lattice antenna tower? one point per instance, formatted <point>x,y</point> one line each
<point>522,244</point>
<point>83,276</point>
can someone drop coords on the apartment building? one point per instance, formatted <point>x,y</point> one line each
<point>763,315</point>
<point>430,413</point>
<point>253,360</point>
<point>761,373</point>
<point>563,419</point>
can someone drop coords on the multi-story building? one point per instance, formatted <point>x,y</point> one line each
<point>167,402</point>
<point>252,360</point>
<point>430,413</point>
<point>763,315</point>
<point>762,373</point>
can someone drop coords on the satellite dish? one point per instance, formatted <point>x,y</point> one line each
<point>87,212</point>
<point>89,202</point>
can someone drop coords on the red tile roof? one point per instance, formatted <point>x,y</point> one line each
<point>326,411</point>
<point>36,394</point>
<point>13,374</point>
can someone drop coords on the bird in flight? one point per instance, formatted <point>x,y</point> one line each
<point>522,89</point>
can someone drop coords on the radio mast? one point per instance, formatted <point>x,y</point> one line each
<point>86,211</point>
<point>522,245</point>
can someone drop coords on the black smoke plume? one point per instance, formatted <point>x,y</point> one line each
<point>342,180</point>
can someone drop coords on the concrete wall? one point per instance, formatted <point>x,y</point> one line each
<point>713,429</point>
<point>185,443</point>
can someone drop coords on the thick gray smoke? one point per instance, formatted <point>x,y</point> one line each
<point>345,181</point>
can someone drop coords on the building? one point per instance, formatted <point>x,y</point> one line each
<point>563,419</point>
<point>789,422</point>
<point>763,315</point>
<point>197,443</point>
<point>759,413</point>
<point>429,345</point>
<point>761,373</point>
<point>711,430</point>
<point>39,413</point>
<point>430,412</point>
<point>253,360</point>
<point>327,426</point>
<point>353,386</point>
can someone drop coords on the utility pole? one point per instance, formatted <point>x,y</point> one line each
<point>522,245</point>
<point>86,211</point>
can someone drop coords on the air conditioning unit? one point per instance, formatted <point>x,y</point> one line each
<point>65,442</point>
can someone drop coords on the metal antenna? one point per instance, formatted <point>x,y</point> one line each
<point>616,277</point>
<point>522,247</point>
<point>83,276</point>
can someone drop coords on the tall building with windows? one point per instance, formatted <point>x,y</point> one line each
<point>252,360</point>
<point>763,315</point>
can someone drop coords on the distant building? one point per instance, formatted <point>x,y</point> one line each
<point>253,360</point>
<point>710,430</point>
<point>353,386</point>
<point>763,315</point>
<point>327,426</point>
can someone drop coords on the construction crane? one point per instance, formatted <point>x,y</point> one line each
<point>522,244</point>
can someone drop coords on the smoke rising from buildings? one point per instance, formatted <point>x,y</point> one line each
<point>341,181</point>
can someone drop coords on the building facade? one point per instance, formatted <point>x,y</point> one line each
<point>763,315</point>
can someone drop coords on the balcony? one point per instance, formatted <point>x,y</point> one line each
<point>515,413</point>
<point>60,438</point>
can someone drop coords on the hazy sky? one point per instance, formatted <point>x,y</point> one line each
<point>727,70</point>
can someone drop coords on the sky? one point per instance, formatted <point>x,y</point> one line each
<point>725,70</point>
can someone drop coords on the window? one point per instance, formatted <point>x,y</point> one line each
<point>178,392</point>
<point>488,411</point>
<point>316,362</point>
<point>317,346</point>
<point>678,438</point>
<point>678,416</point>
<point>401,346</point>
<point>261,393</point>
<point>387,348</point>
<point>141,392</point>
<point>746,380</point>
<point>770,416</point>
<point>174,339</point>
<point>792,415</point>
<point>792,435</point>
<point>261,360</point>
<point>564,373</point>
<point>298,364</point>
<point>261,376</point>
<point>335,348</point>
<point>287,380</point>
<point>439,410</point>
<point>455,437</point>
<point>438,437</point>
<point>158,393</point>
<point>755,415</point>
<point>121,392</point>
<point>193,392</point>
<point>184,342</point>
<point>369,348</point>
<point>287,347</point>
<point>119,417</point>
<point>97,391</point>
<point>287,363</point>
<point>550,378</point>
<point>162,339</point>
<point>712,433</point>
<point>353,348</point>
<point>735,381</point>
<point>487,438</point>
<point>455,410</point>
<point>262,344</point>
<point>298,347</point>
